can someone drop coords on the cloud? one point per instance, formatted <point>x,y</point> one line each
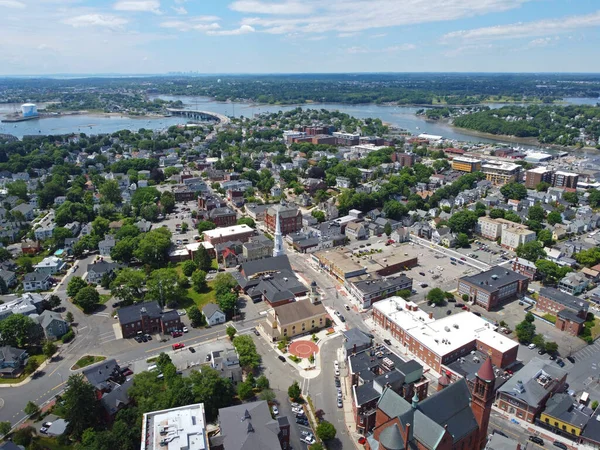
<point>96,20</point>
<point>534,29</point>
<point>12,4</point>
<point>152,6</point>
<point>380,35</point>
<point>346,35</point>
<point>259,7</point>
<point>391,49</point>
<point>179,10</point>
<point>349,16</point>
<point>189,26</point>
<point>474,48</point>
<point>244,29</point>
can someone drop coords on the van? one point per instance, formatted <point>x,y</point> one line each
<point>531,346</point>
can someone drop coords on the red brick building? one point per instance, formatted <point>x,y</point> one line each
<point>524,267</point>
<point>489,289</point>
<point>222,217</point>
<point>570,311</point>
<point>290,219</point>
<point>207,203</point>
<point>147,318</point>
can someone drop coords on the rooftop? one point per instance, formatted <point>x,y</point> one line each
<point>501,166</point>
<point>568,300</point>
<point>565,408</point>
<point>540,169</point>
<point>226,231</point>
<point>466,159</point>
<point>182,428</point>
<point>297,311</point>
<point>493,279</point>
<point>249,426</point>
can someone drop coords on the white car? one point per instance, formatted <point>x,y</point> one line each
<point>340,404</point>
<point>297,409</point>
<point>339,394</point>
<point>275,411</point>
<point>309,439</point>
<point>185,329</point>
<point>336,365</point>
<point>337,372</point>
<point>531,346</point>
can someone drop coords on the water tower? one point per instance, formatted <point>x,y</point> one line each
<point>29,110</point>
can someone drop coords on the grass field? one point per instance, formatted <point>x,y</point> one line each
<point>86,361</point>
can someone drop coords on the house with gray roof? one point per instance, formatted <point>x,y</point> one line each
<point>98,269</point>
<point>53,325</point>
<point>12,361</point>
<point>213,314</point>
<point>36,282</point>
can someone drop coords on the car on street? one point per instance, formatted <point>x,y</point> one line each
<point>536,440</point>
<point>337,372</point>
<point>422,274</point>
<point>275,410</point>
<point>560,445</point>
<point>178,345</point>
<point>302,421</point>
<point>347,307</point>
<point>342,318</point>
<point>281,358</point>
<point>387,342</point>
<point>148,337</point>
<point>185,329</point>
<point>336,365</point>
<point>571,359</point>
<point>542,351</point>
<point>297,409</point>
<point>337,382</point>
<point>144,338</point>
<point>256,332</point>
<point>126,371</point>
<point>337,313</point>
<point>339,403</point>
<point>176,334</point>
<point>294,404</point>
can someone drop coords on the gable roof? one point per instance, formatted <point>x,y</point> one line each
<point>296,311</point>
<point>210,309</point>
<point>99,374</point>
<point>8,353</point>
<point>47,317</point>
<point>248,427</point>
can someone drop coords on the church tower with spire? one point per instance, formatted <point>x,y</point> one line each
<point>278,249</point>
<point>482,398</point>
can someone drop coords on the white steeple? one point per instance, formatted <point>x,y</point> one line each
<point>278,245</point>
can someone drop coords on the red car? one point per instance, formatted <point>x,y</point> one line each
<point>176,334</point>
<point>362,440</point>
<point>463,258</point>
<point>178,346</point>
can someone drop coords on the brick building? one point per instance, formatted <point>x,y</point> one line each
<point>290,219</point>
<point>524,267</point>
<point>535,176</point>
<point>208,202</point>
<point>147,318</point>
<point>233,233</point>
<point>489,289</point>
<point>565,179</point>
<point>570,311</point>
<point>222,217</point>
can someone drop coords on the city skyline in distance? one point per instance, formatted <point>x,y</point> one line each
<point>194,37</point>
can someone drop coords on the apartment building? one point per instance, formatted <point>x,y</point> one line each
<point>565,179</point>
<point>465,164</point>
<point>535,176</point>
<point>501,172</point>
<point>514,235</point>
<point>489,228</point>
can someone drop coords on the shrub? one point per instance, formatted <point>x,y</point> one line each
<point>68,336</point>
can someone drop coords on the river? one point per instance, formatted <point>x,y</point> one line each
<point>399,116</point>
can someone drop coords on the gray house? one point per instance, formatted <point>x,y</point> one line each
<point>12,361</point>
<point>53,324</point>
<point>213,314</point>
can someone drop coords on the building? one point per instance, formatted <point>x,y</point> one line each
<point>565,179</point>
<point>464,164</point>
<point>356,231</point>
<point>489,228</point>
<point>182,428</point>
<point>111,386</point>
<point>53,324</point>
<point>147,318</point>
<point>278,249</point>
<point>31,247</point>
<point>452,418</point>
<point>50,265</point>
<point>442,341</point>
<point>516,234</point>
<point>233,233</point>
<point>501,172</point>
<point>251,426</point>
<point>490,288</point>
<point>370,374</point>
<point>183,194</point>
<point>106,245</point>
<point>227,363</point>
<point>498,441</point>
<point>26,304</point>
<point>355,341</point>
<point>222,217</point>
<point>574,283</point>
<point>213,314</point>
<point>570,311</point>
<point>538,175</point>
<point>12,361</point>
<point>563,416</point>
<point>36,282</point>
<point>591,433</point>
<point>526,394</point>
<point>98,269</point>
<point>290,219</point>
<point>294,319</point>
<point>257,247</point>
<point>369,291</point>
<point>524,267</point>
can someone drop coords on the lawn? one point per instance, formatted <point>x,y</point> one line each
<point>104,298</point>
<point>86,361</point>
<point>38,358</point>
<point>51,444</point>
<point>202,298</point>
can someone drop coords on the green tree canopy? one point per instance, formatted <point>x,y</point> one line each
<point>436,296</point>
<point>531,251</point>
<point>514,191</point>
<point>463,221</point>
<point>82,409</point>
<point>164,287</point>
<point>246,349</point>
<point>326,431</point>
<point>294,391</point>
<point>18,330</point>
<point>87,298</point>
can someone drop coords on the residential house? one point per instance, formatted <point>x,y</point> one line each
<point>356,231</point>
<point>50,265</point>
<point>53,324</point>
<point>524,267</point>
<point>227,363</point>
<point>31,247</point>
<point>12,361</point>
<point>9,277</point>
<point>25,209</point>
<point>213,314</point>
<point>98,269</point>
<point>106,245</point>
<point>574,283</point>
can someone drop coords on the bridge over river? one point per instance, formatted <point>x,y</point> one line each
<point>200,115</point>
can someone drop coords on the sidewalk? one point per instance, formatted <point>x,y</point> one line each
<point>347,396</point>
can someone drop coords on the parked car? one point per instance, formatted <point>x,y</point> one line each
<point>144,338</point>
<point>256,332</point>
<point>422,274</point>
<point>560,362</point>
<point>275,410</point>
<point>560,445</point>
<point>138,339</point>
<point>542,351</point>
<point>536,440</point>
<point>347,307</point>
<point>176,334</point>
<point>208,357</point>
<point>342,318</point>
<point>458,305</point>
<point>185,329</point>
<point>571,359</point>
<point>178,345</point>
<point>339,403</point>
<point>281,358</point>
<point>387,342</point>
<point>337,382</point>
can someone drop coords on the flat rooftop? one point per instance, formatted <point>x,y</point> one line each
<point>540,169</point>
<point>226,231</point>
<point>466,159</point>
<point>493,279</point>
<point>182,428</point>
<point>502,166</point>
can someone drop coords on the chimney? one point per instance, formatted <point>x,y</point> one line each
<point>431,314</point>
<point>407,433</point>
<point>354,349</point>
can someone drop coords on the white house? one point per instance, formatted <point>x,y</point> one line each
<point>50,265</point>
<point>213,314</point>
<point>106,245</point>
<point>36,282</point>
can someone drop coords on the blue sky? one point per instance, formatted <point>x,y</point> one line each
<point>294,36</point>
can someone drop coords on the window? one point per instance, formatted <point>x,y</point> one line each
<point>573,431</point>
<point>564,427</point>
<point>555,424</point>
<point>547,420</point>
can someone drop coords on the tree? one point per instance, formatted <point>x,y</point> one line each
<point>551,347</point>
<point>3,287</point>
<point>536,212</point>
<point>525,331</point>
<point>188,267</point>
<point>128,285</point>
<point>203,259</point>
<point>5,255</point>
<point>436,296</point>
<point>246,349</point>
<point>387,229</point>
<point>246,221</point>
<point>231,331</point>
<point>110,192</point>
<point>267,395</point>
<point>594,198</point>
<point>163,286</point>
<point>550,271</point>
<point>18,330</point>
<point>214,391</point>
<point>69,318</point>
<point>531,251</point>
<point>81,406</point>
<point>54,301</point>
<point>294,391</point>
<point>227,301</point>
<point>23,436</point>
<point>75,285</point>
<point>463,221</point>
<point>153,250</point>
<point>31,409</point>
<point>326,431</point>
<point>539,341</point>
<point>529,317</point>
<point>514,191</point>
<point>199,280</point>
<point>87,298</point>
<point>245,391</point>
<point>545,237</point>
<point>262,383</point>
<point>224,282</point>
<point>124,250</point>
<point>542,186</point>
<point>497,213</point>
<point>204,225</point>
<point>5,428</point>
<point>462,240</point>
<point>571,197</point>
<point>594,404</point>
<point>163,361</point>
<point>393,209</point>
<point>167,201</point>
<point>465,297</point>
<point>589,257</point>
<point>100,226</point>
<point>554,217</point>
<point>319,215</point>
<point>196,317</point>
<point>49,349</point>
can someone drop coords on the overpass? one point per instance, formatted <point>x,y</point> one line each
<point>206,116</point>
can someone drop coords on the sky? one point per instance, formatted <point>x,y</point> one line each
<point>40,37</point>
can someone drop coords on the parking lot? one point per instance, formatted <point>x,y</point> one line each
<point>487,251</point>
<point>178,216</point>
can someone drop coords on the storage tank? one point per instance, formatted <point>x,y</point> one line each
<point>29,110</point>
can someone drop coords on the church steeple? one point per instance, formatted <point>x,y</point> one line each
<point>278,249</point>
<point>482,398</point>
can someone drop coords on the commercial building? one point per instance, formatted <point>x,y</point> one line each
<point>535,176</point>
<point>563,416</point>
<point>233,233</point>
<point>526,394</point>
<point>501,172</point>
<point>370,290</point>
<point>452,418</point>
<point>565,179</point>
<point>222,217</point>
<point>147,318</point>
<point>251,426</point>
<point>490,288</point>
<point>569,310</point>
<point>439,342</point>
<point>465,164</point>
<point>182,428</point>
<point>515,234</point>
<point>290,219</point>
<point>294,319</point>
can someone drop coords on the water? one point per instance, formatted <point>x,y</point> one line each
<point>399,116</point>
